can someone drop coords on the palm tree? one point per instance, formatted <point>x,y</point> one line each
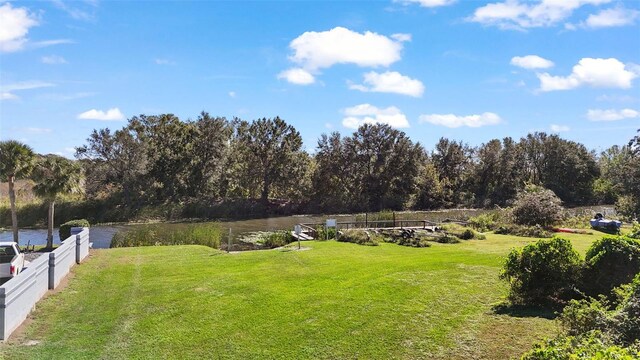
<point>16,160</point>
<point>54,176</point>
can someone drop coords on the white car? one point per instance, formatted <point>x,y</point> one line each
<point>11,260</point>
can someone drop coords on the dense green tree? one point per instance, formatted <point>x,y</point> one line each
<point>486,172</point>
<point>169,147</point>
<point>453,161</point>
<point>375,168</point>
<point>211,139</point>
<point>55,176</point>
<point>332,185</point>
<point>266,150</point>
<point>430,195</point>
<point>388,164</point>
<point>16,161</point>
<point>563,166</point>
<point>115,161</point>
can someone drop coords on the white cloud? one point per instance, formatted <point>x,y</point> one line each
<point>559,128</point>
<point>6,91</point>
<point>517,14</point>
<point>232,94</point>
<point>401,37</point>
<point>390,82</point>
<point>612,114</point>
<point>531,62</point>
<point>455,121</point>
<point>53,60</point>
<point>26,85</point>
<point>159,61</point>
<point>317,50</point>
<point>297,76</point>
<point>8,96</point>
<point>75,12</point>
<point>45,43</point>
<point>612,17</point>
<point>427,3</point>
<point>368,114</point>
<point>14,27</point>
<point>112,114</point>
<point>609,73</point>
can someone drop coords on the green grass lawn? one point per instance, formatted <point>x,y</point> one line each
<point>334,301</point>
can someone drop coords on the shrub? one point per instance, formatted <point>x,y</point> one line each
<point>626,320</point>
<point>461,232</point>
<point>596,332</point>
<point>537,206</point>
<point>628,206</point>
<point>275,239</point>
<point>413,242</point>
<point>592,345</point>
<point>65,229</point>
<point>207,234</point>
<point>610,262</point>
<point>447,239</point>
<point>360,237</point>
<point>635,231</point>
<point>542,273</point>
<point>525,231</point>
<point>485,222</point>
<point>581,316</point>
<point>325,234</point>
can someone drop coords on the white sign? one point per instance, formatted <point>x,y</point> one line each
<point>331,223</point>
<point>297,229</point>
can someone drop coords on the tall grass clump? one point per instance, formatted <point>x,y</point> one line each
<point>275,239</point>
<point>207,234</point>
<point>360,237</point>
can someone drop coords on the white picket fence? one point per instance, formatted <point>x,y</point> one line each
<point>19,295</point>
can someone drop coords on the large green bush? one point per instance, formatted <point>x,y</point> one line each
<point>65,229</point>
<point>537,206</point>
<point>542,273</point>
<point>535,231</point>
<point>626,320</point>
<point>594,331</point>
<point>609,263</point>
<point>275,239</point>
<point>635,231</point>
<point>593,345</point>
<point>360,237</point>
<point>485,222</point>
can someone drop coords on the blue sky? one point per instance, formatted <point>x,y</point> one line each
<point>467,70</point>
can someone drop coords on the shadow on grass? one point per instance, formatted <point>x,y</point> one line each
<point>523,311</point>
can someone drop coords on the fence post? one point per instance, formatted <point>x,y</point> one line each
<point>52,270</point>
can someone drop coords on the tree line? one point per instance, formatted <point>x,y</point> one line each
<point>157,160</point>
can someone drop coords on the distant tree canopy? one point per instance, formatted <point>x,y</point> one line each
<point>160,158</point>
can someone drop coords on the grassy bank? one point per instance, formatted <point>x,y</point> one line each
<point>336,300</point>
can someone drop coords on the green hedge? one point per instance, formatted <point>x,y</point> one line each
<point>65,229</point>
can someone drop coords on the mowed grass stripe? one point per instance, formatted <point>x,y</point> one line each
<point>336,300</point>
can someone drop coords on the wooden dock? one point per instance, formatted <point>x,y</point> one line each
<point>309,231</point>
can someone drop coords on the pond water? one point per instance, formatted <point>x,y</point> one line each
<point>101,235</point>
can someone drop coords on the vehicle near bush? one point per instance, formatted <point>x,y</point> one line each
<point>11,260</point>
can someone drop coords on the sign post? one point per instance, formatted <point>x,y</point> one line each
<point>331,223</point>
<point>298,230</point>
